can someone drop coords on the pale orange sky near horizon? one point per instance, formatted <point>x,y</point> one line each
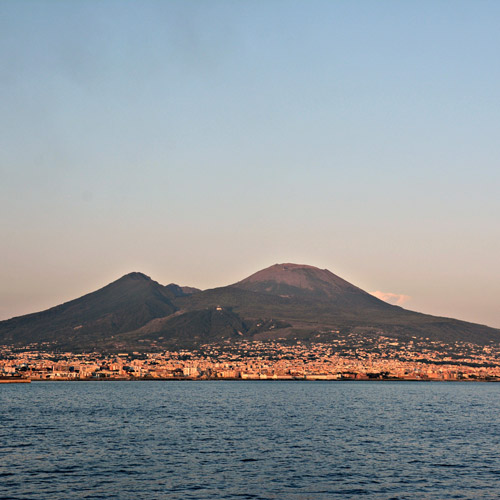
<point>199,142</point>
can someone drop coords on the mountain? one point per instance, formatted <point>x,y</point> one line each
<point>308,282</point>
<point>313,301</point>
<point>289,302</point>
<point>122,306</point>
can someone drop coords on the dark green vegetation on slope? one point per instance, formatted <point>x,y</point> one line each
<point>285,301</point>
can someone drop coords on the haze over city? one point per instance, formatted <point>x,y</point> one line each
<point>198,142</point>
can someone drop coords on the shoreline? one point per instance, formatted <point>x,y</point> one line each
<point>178,379</point>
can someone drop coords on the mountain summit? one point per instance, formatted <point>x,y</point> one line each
<point>298,280</point>
<point>310,283</point>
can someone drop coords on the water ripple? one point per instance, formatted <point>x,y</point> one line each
<point>233,440</point>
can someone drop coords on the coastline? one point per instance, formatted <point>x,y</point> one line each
<point>220,379</point>
<point>15,381</point>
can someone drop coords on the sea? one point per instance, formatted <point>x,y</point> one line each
<point>249,440</point>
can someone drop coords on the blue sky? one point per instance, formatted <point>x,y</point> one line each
<point>201,141</point>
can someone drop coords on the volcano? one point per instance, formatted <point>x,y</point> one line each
<point>290,302</point>
<point>308,282</point>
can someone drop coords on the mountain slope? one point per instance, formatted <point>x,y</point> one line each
<point>308,282</point>
<point>313,300</point>
<point>121,306</point>
<point>181,291</point>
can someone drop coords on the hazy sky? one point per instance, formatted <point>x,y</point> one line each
<point>199,142</point>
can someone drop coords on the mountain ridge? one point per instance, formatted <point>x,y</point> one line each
<point>284,301</point>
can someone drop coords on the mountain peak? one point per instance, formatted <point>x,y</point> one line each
<point>283,271</point>
<point>290,279</point>
<point>290,266</point>
<point>135,275</point>
<point>298,275</point>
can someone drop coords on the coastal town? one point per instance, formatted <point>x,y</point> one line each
<point>349,357</point>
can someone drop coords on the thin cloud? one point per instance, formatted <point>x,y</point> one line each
<point>396,299</point>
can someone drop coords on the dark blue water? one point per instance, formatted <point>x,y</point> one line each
<point>262,440</point>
